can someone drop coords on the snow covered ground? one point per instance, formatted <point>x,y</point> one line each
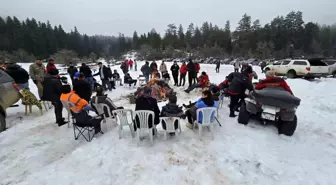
<point>35,151</point>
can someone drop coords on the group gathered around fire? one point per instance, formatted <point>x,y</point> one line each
<point>54,88</point>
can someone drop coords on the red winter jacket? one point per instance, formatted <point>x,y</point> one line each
<point>198,67</point>
<point>130,62</point>
<point>223,85</point>
<point>203,80</point>
<point>273,82</point>
<point>183,69</point>
<point>50,66</point>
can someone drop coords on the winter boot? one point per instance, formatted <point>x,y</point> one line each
<point>232,114</point>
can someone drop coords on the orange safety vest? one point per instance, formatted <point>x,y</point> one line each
<point>76,100</point>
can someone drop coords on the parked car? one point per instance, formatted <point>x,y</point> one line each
<point>9,95</point>
<point>332,66</point>
<point>292,68</point>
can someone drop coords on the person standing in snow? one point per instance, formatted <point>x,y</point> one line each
<point>130,62</point>
<point>87,74</point>
<point>191,68</point>
<point>124,67</point>
<point>72,70</point>
<point>135,65</point>
<point>52,92</point>
<point>19,75</point>
<point>236,66</point>
<point>82,87</point>
<point>217,66</point>
<point>105,74</point>
<point>183,73</point>
<point>37,72</point>
<point>51,64</point>
<point>163,68</point>
<point>175,71</point>
<point>146,71</point>
<point>197,67</point>
<point>153,66</point>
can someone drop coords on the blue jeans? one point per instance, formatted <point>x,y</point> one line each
<point>24,86</point>
<point>192,87</point>
<point>91,81</point>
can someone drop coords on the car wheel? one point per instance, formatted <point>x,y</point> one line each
<point>287,127</point>
<point>244,115</point>
<point>291,74</point>
<point>334,74</point>
<point>2,123</point>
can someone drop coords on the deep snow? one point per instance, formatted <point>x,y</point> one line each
<point>36,151</point>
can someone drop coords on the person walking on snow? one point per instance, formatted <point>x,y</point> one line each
<point>175,71</point>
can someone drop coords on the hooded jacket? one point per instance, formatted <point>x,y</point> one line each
<point>171,110</point>
<point>19,74</point>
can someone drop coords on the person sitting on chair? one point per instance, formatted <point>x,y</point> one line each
<point>203,80</point>
<point>129,80</point>
<point>205,101</point>
<point>102,98</point>
<point>80,111</point>
<point>171,109</point>
<point>147,102</point>
<point>116,77</point>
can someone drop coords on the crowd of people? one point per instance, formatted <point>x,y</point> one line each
<point>50,88</point>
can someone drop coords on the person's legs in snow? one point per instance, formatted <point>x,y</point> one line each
<point>192,87</point>
<point>190,79</point>
<point>234,102</point>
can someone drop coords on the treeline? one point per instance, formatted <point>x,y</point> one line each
<point>284,36</point>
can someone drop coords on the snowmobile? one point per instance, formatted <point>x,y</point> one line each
<point>271,104</point>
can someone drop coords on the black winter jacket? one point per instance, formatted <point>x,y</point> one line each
<point>175,69</point>
<point>171,110</point>
<point>147,103</point>
<point>86,71</point>
<point>145,69</point>
<point>239,82</point>
<point>19,74</point>
<point>116,76</point>
<point>82,89</point>
<point>153,66</point>
<point>51,88</point>
<point>72,70</point>
<point>191,68</point>
<point>106,72</point>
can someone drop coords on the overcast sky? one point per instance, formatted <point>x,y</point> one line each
<point>109,17</point>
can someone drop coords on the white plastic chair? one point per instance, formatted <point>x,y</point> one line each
<point>143,116</point>
<point>170,125</point>
<point>46,105</point>
<point>122,120</point>
<point>100,110</point>
<point>67,105</point>
<point>206,121</point>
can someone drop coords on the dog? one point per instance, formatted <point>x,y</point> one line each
<point>29,99</point>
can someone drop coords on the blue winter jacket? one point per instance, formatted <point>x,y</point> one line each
<point>200,104</point>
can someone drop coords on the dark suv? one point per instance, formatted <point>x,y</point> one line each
<point>9,95</point>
